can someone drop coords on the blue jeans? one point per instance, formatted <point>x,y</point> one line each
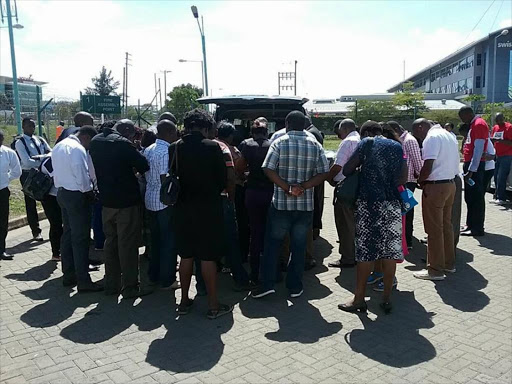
<point>233,255</point>
<point>501,175</point>
<point>162,265</point>
<point>279,224</point>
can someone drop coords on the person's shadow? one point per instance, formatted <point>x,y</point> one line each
<point>38,273</point>
<point>378,340</point>
<point>499,245</point>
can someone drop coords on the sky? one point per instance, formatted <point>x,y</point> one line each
<point>341,47</point>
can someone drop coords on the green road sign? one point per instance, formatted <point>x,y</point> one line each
<point>101,104</point>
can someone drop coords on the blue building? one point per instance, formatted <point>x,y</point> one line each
<point>470,70</point>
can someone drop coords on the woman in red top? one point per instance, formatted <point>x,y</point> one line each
<point>502,138</point>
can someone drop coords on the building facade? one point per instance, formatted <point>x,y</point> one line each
<point>471,70</point>
<point>27,89</point>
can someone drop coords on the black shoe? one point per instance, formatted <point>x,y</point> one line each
<point>353,307</point>
<point>5,256</point>
<point>386,307</point>
<point>424,241</point>
<point>37,237</point>
<point>69,282</point>
<point>310,265</point>
<point>90,287</point>
<point>95,262</point>
<point>262,292</point>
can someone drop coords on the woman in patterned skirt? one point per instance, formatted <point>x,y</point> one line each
<point>378,212</point>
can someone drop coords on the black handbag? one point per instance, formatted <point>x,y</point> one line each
<point>170,188</point>
<point>37,185</point>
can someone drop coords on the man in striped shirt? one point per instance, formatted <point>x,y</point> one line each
<point>414,164</point>
<point>295,163</point>
<point>162,266</point>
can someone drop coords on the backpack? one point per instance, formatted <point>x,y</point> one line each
<point>37,185</point>
<point>20,137</point>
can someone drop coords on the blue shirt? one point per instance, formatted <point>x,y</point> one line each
<point>157,155</point>
<point>296,157</point>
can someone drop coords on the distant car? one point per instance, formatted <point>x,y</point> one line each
<point>241,110</point>
<point>492,186</point>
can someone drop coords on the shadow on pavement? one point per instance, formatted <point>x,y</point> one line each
<point>499,245</point>
<point>37,273</point>
<point>378,340</point>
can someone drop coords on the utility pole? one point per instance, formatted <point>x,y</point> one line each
<point>289,80</point>
<point>124,80</point>
<point>203,43</point>
<point>13,60</point>
<point>295,80</point>
<point>127,59</point>
<point>165,72</point>
<point>160,92</point>
<point>156,92</point>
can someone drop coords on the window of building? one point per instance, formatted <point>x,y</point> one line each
<point>462,85</point>
<point>469,84</point>
<point>484,65</point>
<point>470,60</point>
<point>477,82</point>
<point>478,59</point>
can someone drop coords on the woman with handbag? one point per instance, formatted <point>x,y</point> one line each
<point>378,212</point>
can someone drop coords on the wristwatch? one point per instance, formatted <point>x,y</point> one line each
<point>290,190</point>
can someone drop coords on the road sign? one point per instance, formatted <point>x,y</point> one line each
<point>101,104</point>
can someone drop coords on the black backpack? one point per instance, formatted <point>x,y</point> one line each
<point>20,137</point>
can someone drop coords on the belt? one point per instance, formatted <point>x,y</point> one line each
<point>439,181</point>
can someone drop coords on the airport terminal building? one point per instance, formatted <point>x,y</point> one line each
<point>471,70</point>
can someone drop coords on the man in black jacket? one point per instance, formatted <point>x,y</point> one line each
<point>116,160</point>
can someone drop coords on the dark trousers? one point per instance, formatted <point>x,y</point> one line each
<point>409,218</point>
<point>242,220</point>
<point>31,209</point>
<point>257,202</point>
<point>234,259</point>
<point>456,210</point>
<point>318,201</point>
<point>97,226</point>
<point>4,216</point>
<point>162,264</point>
<point>503,164</point>
<point>54,215</point>
<point>74,245</point>
<point>344,216</point>
<point>280,223</point>
<point>122,228</point>
<point>475,199</point>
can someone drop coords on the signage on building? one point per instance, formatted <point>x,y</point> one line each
<point>101,104</point>
<point>506,44</point>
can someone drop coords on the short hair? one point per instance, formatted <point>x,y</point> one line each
<point>148,138</point>
<point>390,133</point>
<point>371,127</point>
<point>168,116</point>
<point>198,118</point>
<point>225,129</point>
<point>336,125</point>
<point>61,123</point>
<point>165,126</point>
<point>295,120</point>
<point>87,130</point>
<point>349,123</point>
<point>108,124</point>
<point>82,118</point>
<point>395,125</point>
<point>125,126</point>
<point>27,120</point>
<point>450,124</point>
<point>465,109</point>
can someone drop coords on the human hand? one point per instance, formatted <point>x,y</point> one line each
<point>467,176</point>
<point>297,190</point>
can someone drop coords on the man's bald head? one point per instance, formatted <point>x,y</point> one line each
<point>500,118</point>
<point>167,131</point>
<point>466,114</point>
<point>168,116</point>
<point>420,128</point>
<point>345,128</point>
<point>83,118</point>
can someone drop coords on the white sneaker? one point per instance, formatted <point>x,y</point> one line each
<point>453,270</point>
<point>424,275</point>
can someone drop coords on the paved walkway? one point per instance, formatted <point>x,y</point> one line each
<point>455,331</point>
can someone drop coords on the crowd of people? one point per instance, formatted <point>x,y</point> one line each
<point>259,201</point>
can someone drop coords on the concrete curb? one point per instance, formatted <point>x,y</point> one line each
<point>19,222</point>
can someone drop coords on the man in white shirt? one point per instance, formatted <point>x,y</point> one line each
<point>162,265</point>
<point>441,166</point>
<point>75,197</point>
<point>9,170</point>
<point>343,213</point>
<point>31,149</point>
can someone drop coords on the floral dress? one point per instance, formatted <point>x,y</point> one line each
<point>378,212</point>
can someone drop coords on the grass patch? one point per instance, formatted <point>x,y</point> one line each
<point>331,142</point>
<point>17,201</point>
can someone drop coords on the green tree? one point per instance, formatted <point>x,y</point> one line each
<point>491,109</point>
<point>65,110</point>
<point>409,103</point>
<point>444,116</point>
<point>365,110</point>
<point>182,99</point>
<point>475,101</point>
<point>103,85</point>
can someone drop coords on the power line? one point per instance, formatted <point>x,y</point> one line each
<point>476,25</point>
<point>496,17</point>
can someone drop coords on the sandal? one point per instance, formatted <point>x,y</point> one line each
<point>221,311</point>
<point>184,309</point>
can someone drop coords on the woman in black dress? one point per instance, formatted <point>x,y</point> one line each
<point>201,169</point>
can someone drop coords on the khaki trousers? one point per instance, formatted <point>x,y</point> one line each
<point>344,216</point>
<point>437,202</point>
<point>123,231</point>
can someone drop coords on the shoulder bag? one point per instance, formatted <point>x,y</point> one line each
<point>170,188</point>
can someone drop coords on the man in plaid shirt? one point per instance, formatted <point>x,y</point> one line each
<point>295,163</point>
<point>414,164</point>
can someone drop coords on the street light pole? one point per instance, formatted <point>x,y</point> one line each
<point>165,72</point>
<point>202,68</point>
<point>13,63</point>
<point>203,42</point>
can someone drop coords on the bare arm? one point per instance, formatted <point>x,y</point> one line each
<point>241,165</point>
<point>274,177</point>
<point>352,164</point>
<point>315,180</point>
<point>335,169</point>
<point>404,174</point>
